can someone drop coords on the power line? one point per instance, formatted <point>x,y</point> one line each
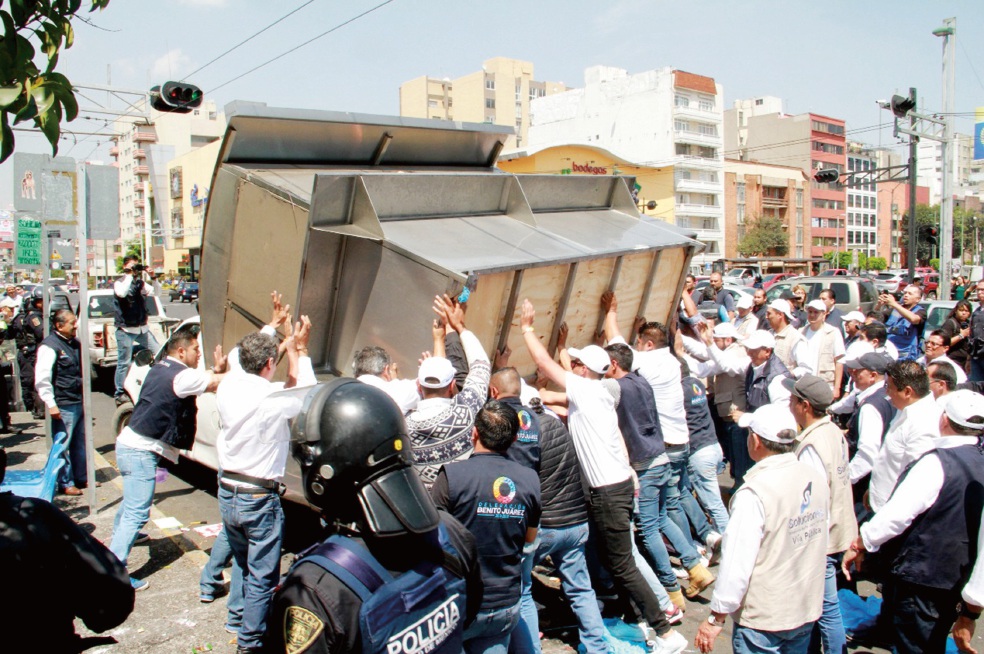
<point>248,39</point>
<point>298,47</point>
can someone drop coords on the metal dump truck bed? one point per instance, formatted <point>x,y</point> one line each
<point>360,220</point>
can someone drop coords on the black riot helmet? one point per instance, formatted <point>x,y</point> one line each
<point>356,463</point>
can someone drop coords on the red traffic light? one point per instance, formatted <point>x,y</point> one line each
<point>826,175</point>
<point>176,97</point>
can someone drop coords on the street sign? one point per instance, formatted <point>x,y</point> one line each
<point>28,242</point>
<point>54,233</point>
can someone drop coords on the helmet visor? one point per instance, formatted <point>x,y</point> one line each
<point>397,502</point>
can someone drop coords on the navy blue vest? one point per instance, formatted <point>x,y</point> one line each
<point>496,499</point>
<point>162,415</point>
<point>757,386</point>
<point>638,419</point>
<point>526,449</point>
<point>699,419</point>
<point>939,548</point>
<point>130,310</point>
<point>66,374</point>
<point>879,400</point>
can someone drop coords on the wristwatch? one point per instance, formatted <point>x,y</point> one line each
<point>967,613</point>
<point>714,623</point>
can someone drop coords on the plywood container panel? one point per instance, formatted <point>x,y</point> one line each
<point>541,286</point>
<point>584,306</point>
<point>629,289</point>
<point>663,297</point>
<point>486,307</point>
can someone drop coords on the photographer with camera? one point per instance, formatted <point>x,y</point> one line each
<point>131,317</point>
<point>977,337</point>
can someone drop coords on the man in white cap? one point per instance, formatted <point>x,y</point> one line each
<point>852,327</point>
<point>746,322</point>
<point>790,345</point>
<point>930,529</point>
<point>440,428</point>
<point>825,346</point>
<point>776,541</point>
<point>593,424</point>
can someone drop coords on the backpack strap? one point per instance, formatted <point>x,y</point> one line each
<point>351,563</point>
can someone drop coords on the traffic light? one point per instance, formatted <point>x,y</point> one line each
<point>176,97</point>
<point>929,235</point>
<point>902,105</point>
<point>825,175</point>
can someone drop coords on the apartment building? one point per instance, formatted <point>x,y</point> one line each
<point>662,118</point>
<point>862,202</point>
<point>754,190</point>
<point>808,141</point>
<point>500,93</point>
<point>968,173</point>
<point>143,148</point>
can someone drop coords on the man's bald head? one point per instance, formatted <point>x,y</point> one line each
<point>505,383</point>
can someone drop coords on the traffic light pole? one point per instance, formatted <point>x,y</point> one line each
<point>913,232</point>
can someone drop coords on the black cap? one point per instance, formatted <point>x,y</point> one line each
<point>873,361</point>
<point>812,389</point>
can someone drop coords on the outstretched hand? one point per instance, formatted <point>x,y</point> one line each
<point>281,312</point>
<point>451,311</point>
<point>527,315</point>
<point>221,364</point>
<point>609,302</point>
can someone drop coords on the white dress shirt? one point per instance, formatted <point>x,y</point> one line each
<point>662,370</point>
<point>912,432</point>
<point>254,412</point>
<point>403,391</point>
<point>961,375</point>
<point>912,497</point>
<point>732,361</point>
<point>122,286</point>
<point>43,369</point>
<point>870,428</point>
<point>188,382</point>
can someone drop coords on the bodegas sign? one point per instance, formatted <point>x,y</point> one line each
<point>584,169</point>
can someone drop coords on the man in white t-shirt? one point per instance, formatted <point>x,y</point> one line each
<point>593,424</point>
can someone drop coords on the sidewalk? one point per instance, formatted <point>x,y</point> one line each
<point>167,616</point>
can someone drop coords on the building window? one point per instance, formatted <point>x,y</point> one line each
<point>707,153</point>
<point>489,83</point>
<point>707,130</point>
<point>681,101</point>
<point>706,105</point>
<point>799,198</point>
<point>681,125</point>
<point>490,103</point>
<point>683,149</point>
<point>758,102</point>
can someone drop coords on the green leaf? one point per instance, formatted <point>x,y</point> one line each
<point>9,32</point>
<point>69,34</point>
<point>44,96</point>
<point>48,122</point>
<point>18,11</point>
<point>6,138</point>
<point>29,111</point>
<point>10,94</point>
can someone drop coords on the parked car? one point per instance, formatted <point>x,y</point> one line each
<point>937,311</point>
<point>851,293</point>
<point>741,276</point>
<point>835,272</point>
<point>189,292</point>
<point>931,284</point>
<point>101,339</point>
<point>769,280</point>
<point>924,270</point>
<point>890,281</point>
<point>709,309</point>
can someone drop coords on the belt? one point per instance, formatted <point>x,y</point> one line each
<point>245,490</point>
<point>267,485</point>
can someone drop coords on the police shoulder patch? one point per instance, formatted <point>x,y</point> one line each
<point>301,629</point>
<point>35,321</point>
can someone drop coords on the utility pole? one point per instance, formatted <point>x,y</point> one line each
<point>948,32</point>
<point>913,146</point>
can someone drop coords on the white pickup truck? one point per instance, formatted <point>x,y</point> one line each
<point>102,330</point>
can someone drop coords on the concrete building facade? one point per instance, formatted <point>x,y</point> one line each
<point>808,141</point>
<point>500,94</point>
<point>660,118</point>
<point>968,174</point>
<point>189,178</point>
<point>862,202</point>
<point>753,190</point>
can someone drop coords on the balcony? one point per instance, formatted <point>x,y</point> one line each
<point>697,163</point>
<point>140,203</point>
<point>776,202</point>
<point>697,114</point>
<point>139,154</point>
<point>708,210</point>
<point>697,138</point>
<point>114,151</point>
<point>145,137</point>
<point>683,184</point>
<point>141,170</point>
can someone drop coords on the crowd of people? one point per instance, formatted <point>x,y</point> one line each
<point>849,453</point>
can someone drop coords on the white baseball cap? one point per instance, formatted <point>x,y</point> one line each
<point>817,305</point>
<point>782,306</point>
<point>595,358</point>
<point>435,372</point>
<point>960,406</point>
<point>725,330</point>
<point>745,301</point>
<point>769,421</point>
<point>760,338</point>
<point>853,315</point>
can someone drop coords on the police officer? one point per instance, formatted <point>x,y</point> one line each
<point>28,332</point>
<point>357,467</point>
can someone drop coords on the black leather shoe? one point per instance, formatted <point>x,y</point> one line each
<point>247,650</point>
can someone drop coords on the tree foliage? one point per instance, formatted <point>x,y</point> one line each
<point>926,216</point>
<point>765,237</point>
<point>29,92</point>
<point>877,263</point>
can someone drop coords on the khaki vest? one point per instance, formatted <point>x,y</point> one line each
<point>825,437</point>
<point>785,341</point>
<point>785,590</point>
<point>825,364</point>
<point>729,391</point>
<point>747,325</point>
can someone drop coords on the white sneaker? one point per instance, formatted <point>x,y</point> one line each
<point>714,546</point>
<point>704,561</point>
<point>681,573</point>
<point>672,643</point>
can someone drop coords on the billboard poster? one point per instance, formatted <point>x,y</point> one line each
<point>28,242</point>
<point>27,180</point>
<point>979,135</point>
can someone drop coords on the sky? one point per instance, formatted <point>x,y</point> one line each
<point>834,57</point>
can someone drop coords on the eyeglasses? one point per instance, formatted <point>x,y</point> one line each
<point>933,344</point>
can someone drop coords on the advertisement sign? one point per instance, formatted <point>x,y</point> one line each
<point>28,242</point>
<point>27,180</point>
<point>979,135</point>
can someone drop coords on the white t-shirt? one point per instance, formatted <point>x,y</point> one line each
<point>593,424</point>
<point>813,340</point>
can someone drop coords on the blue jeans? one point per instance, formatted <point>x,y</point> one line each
<point>491,631</point>
<point>125,345</point>
<point>649,575</point>
<point>139,471</point>
<point>565,547</point>
<point>529,621</point>
<point>692,510</point>
<point>681,507</point>
<point>703,468</point>
<point>741,460</point>
<point>652,519</point>
<point>254,524</point>
<point>74,472</point>
<point>830,626</point>
<point>976,369</point>
<point>745,640</point>
<point>210,583</point>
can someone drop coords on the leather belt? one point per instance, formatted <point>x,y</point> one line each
<point>245,490</point>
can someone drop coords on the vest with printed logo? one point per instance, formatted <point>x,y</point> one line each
<point>495,499</point>
<point>526,449</point>
<point>879,400</point>
<point>638,420</point>
<point>793,551</point>
<point>66,372</point>
<point>130,310</point>
<point>828,440</point>
<point>162,415</point>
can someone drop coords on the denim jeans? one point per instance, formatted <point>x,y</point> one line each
<point>254,524</point>
<point>611,511</point>
<point>210,583</point>
<point>649,575</point>
<point>125,345</point>
<point>745,640</point>
<point>565,547</point>
<point>681,507</point>
<point>491,630</point>
<point>138,468</point>
<point>654,496</point>
<point>829,628</point>
<point>691,508</point>
<point>741,460</point>
<point>529,621</point>
<point>74,472</point>
<point>976,369</point>
<point>703,468</point>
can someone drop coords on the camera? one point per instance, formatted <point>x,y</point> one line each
<point>138,267</point>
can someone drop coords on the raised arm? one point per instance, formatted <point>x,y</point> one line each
<point>610,305</point>
<point>538,352</point>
